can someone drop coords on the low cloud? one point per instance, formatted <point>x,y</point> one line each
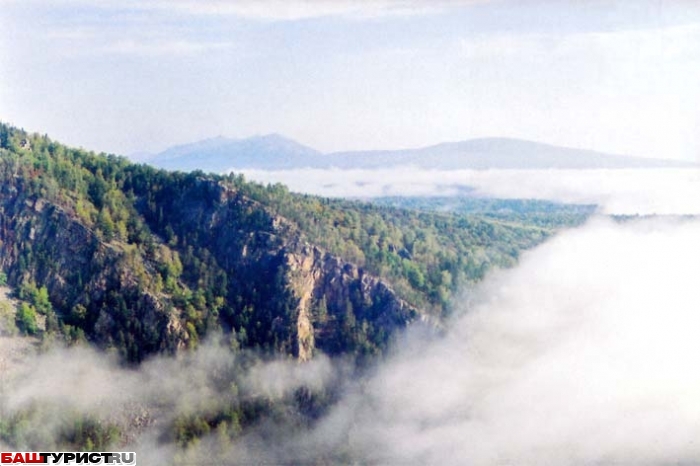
<point>583,354</point>
<point>45,392</point>
<point>633,191</point>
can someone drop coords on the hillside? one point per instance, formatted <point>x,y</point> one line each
<point>273,152</point>
<point>143,260</point>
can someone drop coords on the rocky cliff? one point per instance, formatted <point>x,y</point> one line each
<point>347,292</point>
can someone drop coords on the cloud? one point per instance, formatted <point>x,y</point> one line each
<point>134,40</point>
<point>583,354</point>
<point>627,45</point>
<point>41,394</point>
<point>140,47</point>
<point>276,10</point>
<point>283,10</point>
<point>633,191</point>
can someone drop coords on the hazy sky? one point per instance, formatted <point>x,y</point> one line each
<point>126,76</point>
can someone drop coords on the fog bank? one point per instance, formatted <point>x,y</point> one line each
<point>585,353</point>
<point>629,191</point>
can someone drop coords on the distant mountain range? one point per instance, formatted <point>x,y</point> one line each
<point>275,152</point>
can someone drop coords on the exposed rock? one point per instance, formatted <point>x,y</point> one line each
<point>316,275</point>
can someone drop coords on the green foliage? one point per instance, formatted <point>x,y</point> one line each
<point>85,433</point>
<point>540,213</point>
<point>38,298</point>
<point>26,319</point>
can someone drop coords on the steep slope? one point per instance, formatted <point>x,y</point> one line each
<point>143,260</point>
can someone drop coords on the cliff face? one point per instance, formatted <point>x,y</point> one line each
<point>331,294</point>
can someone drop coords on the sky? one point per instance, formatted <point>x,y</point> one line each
<point>133,76</point>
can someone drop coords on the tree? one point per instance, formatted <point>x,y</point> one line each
<point>41,302</point>
<point>105,224</point>
<point>26,319</point>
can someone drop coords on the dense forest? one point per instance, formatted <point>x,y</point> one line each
<point>546,214</point>
<point>140,261</point>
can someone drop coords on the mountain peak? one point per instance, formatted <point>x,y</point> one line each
<point>277,140</point>
<point>221,154</point>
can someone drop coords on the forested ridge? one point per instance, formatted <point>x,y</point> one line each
<point>139,261</point>
<point>149,237</point>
